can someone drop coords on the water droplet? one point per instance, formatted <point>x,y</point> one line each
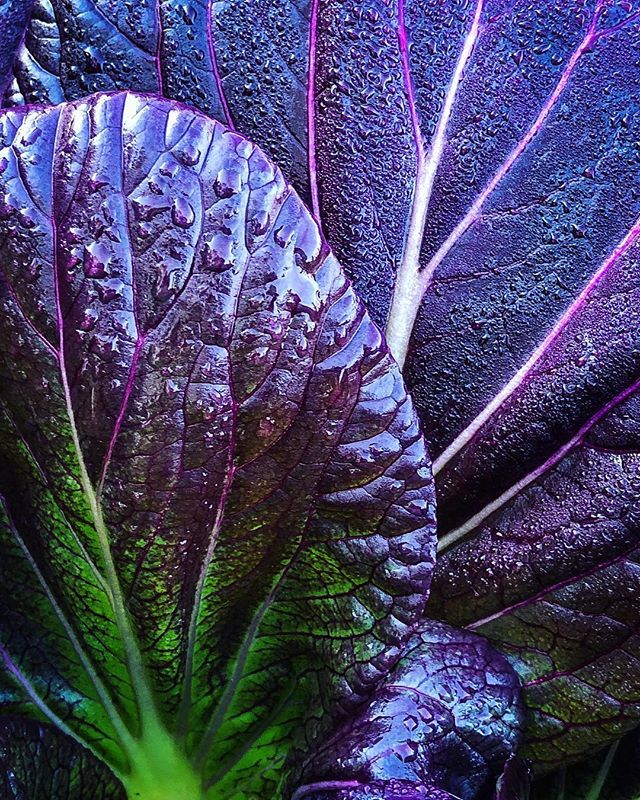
<point>94,60</point>
<point>182,213</point>
<point>169,167</point>
<point>97,182</point>
<point>96,260</point>
<point>218,254</point>
<point>189,155</point>
<point>89,319</point>
<point>284,235</point>
<point>110,290</point>
<point>149,206</point>
<point>227,183</point>
<point>165,287</point>
<point>171,388</point>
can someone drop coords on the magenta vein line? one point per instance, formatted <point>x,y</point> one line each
<point>517,380</point>
<point>455,535</point>
<point>311,118</point>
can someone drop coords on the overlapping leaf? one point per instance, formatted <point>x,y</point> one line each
<point>474,164</point>
<point>441,725</point>
<point>211,467</point>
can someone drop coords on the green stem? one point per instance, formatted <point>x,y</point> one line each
<point>603,773</point>
<point>160,770</point>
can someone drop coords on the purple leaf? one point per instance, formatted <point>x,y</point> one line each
<point>474,167</point>
<point>441,725</point>
<point>552,577</point>
<point>212,472</point>
<point>14,17</point>
<point>243,63</point>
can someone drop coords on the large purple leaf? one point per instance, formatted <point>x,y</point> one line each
<point>476,168</point>
<point>478,176</point>
<point>474,165</point>
<point>553,577</point>
<point>211,470</point>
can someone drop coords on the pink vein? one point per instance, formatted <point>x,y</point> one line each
<point>556,587</point>
<point>455,535</point>
<point>214,66</point>
<point>123,409</point>
<point>311,118</point>
<point>407,293</point>
<point>474,212</point>
<point>516,381</point>
<point>159,48</point>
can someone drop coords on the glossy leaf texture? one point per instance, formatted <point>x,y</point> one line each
<point>243,63</point>
<point>14,18</point>
<point>473,163</point>
<point>37,763</point>
<point>553,577</point>
<point>217,499</point>
<point>476,168</point>
<point>443,724</point>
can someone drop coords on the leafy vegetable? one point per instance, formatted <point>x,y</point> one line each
<point>514,248</point>
<point>473,164</point>
<point>441,725</point>
<point>217,501</point>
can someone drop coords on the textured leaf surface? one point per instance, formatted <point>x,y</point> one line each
<point>515,248</point>
<point>473,163</point>
<point>243,63</point>
<point>14,17</point>
<point>211,465</point>
<point>36,763</point>
<point>553,577</point>
<point>442,724</point>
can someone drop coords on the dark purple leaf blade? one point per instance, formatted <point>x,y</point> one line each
<point>442,725</point>
<point>37,763</point>
<point>515,250</point>
<point>243,63</point>
<point>200,410</point>
<point>473,164</point>
<point>552,577</point>
<point>14,17</point>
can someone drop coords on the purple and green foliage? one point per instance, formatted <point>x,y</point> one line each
<point>210,464</point>
<point>217,501</point>
<point>443,724</point>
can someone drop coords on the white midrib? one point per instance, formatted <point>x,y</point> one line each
<point>407,293</point>
<point>454,536</point>
<point>146,704</point>
<point>412,281</point>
